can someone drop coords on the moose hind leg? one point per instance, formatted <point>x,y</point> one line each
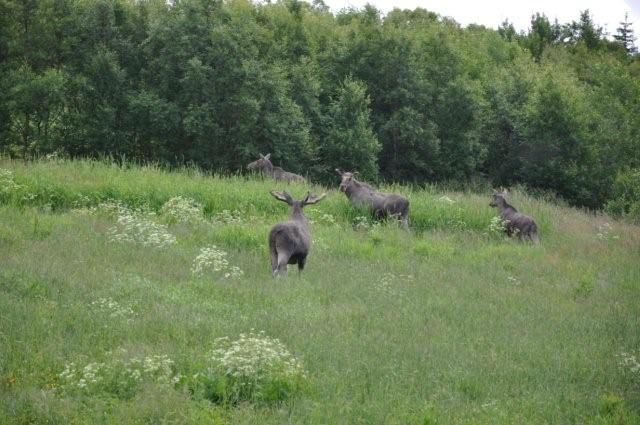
<point>283,259</point>
<point>274,261</point>
<point>301,263</point>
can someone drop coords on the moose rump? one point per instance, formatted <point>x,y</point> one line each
<point>290,241</point>
<point>287,245</point>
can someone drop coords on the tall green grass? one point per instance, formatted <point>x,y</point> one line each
<point>62,184</point>
<point>449,323</point>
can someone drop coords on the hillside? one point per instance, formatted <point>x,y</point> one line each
<point>112,310</point>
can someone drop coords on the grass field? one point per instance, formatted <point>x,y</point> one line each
<point>110,310</point>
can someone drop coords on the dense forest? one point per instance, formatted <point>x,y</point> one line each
<point>409,96</point>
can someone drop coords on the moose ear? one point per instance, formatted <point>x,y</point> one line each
<point>339,171</point>
<point>261,156</point>
<point>312,199</point>
<point>356,173</point>
<point>282,196</point>
<point>504,191</point>
<point>267,156</point>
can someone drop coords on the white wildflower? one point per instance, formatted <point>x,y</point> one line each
<point>630,362</point>
<point>228,217</point>
<point>139,227</point>
<point>7,183</point>
<point>95,376</point>
<point>213,258</point>
<point>393,285</point>
<point>113,309</point>
<point>182,210</point>
<point>327,219</point>
<point>605,232</point>
<point>365,223</point>
<point>253,359</point>
<point>446,200</point>
<point>28,197</point>
<point>497,225</point>
<point>514,280</point>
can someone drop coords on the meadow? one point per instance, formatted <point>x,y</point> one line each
<point>139,295</point>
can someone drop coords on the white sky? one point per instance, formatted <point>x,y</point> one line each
<point>491,13</point>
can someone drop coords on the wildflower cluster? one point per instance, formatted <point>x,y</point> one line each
<point>513,280</point>
<point>138,226</point>
<point>119,377</point>
<point>324,218</point>
<point>213,258</point>
<point>113,309</point>
<point>445,199</point>
<point>7,184</point>
<point>228,217</point>
<point>389,284</point>
<point>630,362</point>
<point>327,219</point>
<point>82,378</point>
<point>182,210</point>
<point>364,223</point>
<point>109,208</point>
<point>605,232</point>
<point>53,156</point>
<point>254,367</point>
<point>81,202</point>
<point>497,226</point>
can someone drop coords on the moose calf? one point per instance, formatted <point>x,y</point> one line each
<point>514,221</point>
<point>265,166</point>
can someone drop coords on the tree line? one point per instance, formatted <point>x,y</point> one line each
<point>410,96</point>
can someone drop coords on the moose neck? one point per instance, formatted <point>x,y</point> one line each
<point>295,213</point>
<point>267,167</point>
<point>352,188</point>
<point>504,207</point>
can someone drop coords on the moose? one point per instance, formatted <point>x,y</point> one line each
<point>290,241</point>
<point>381,205</point>
<point>268,169</point>
<point>514,222</point>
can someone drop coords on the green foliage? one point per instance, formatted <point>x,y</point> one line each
<point>541,35</point>
<point>625,199</point>
<point>350,143</point>
<point>406,97</point>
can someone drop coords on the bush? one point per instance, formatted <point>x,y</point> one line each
<point>253,368</point>
<point>625,199</point>
<point>181,210</point>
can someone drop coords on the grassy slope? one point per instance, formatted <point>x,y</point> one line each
<point>483,331</point>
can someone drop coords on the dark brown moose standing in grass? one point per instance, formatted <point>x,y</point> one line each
<point>268,169</point>
<point>513,221</point>
<point>381,205</point>
<point>290,241</point>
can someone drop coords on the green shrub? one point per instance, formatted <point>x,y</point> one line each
<point>254,368</point>
<point>625,198</point>
<point>610,404</point>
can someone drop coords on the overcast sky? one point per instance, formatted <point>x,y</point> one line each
<point>491,13</point>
